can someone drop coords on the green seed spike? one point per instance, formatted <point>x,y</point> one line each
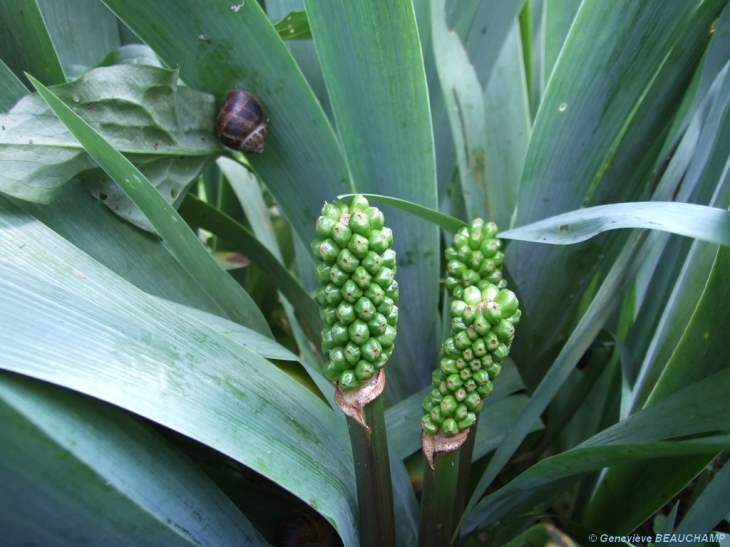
<point>484,314</point>
<point>358,291</point>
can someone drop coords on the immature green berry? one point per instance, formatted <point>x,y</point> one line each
<point>358,292</point>
<point>484,314</point>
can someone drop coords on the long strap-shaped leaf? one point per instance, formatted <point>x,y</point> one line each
<point>638,437</point>
<point>687,219</point>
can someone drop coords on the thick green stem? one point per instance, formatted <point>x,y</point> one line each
<point>462,486</point>
<point>372,472</point>
<point>440,488</point>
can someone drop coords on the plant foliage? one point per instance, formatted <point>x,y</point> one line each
<point>150,397</point>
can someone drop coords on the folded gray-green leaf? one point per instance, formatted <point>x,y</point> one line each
<point>166,129</point>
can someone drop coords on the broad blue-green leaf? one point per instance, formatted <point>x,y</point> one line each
<point>140,258</point>
<point>25,44</point>
<point>687,219</point>
<point>250,339</point>
<point>634,163</point>
<point>224,45</point>
<point>94,475</point>
<point>70,321</point>
<point>372,64</point>
<point>187,248</point>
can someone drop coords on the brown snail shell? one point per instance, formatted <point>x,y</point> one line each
<point>241,122</point>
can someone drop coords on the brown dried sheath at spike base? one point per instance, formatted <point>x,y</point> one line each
<point>434,445</point>
<point>353,402</point>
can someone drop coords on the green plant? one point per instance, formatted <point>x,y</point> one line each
<point>148,397</point>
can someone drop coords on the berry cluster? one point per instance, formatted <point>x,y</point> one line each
<point>474,258</point>
<point>484,314</point>
<point>357,293</point>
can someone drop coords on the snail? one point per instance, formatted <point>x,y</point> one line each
<point>241,122</point>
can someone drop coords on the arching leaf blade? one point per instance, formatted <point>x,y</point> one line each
<point>599,81</point>
<point>697,221</point>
